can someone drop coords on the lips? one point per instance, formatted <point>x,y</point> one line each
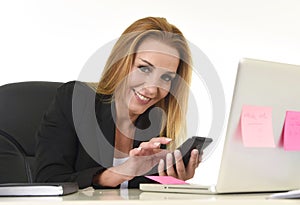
<point>141,98</point>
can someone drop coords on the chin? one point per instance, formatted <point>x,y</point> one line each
<point>137,110</point>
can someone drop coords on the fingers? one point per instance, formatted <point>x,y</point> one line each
<point>193,163</point>
<point>135,152</point>
<point>200,157</point>
<point>194,159</point>
<point>187,172</point>
<point>161,168</point>
<point>170,165</point>
<point>181,172</point>
<point>155,143</point>
<point>153,146</point>
<point>150,145</point>
<point>162,140</point>
<point>156,153</point>
<point>180,168</point>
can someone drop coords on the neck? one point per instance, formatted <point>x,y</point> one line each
<point>123,115</point>
<point>125,130</point>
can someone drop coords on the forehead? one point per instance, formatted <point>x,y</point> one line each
<point>160,55</point>
<point>158,47</point>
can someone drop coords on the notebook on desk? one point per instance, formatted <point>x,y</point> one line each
<point>38,189</point>
<point>247,168</point>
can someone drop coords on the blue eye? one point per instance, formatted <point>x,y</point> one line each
<point>145,69</point>
<point>166,77</point>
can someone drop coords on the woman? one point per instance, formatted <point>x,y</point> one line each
<point>139,106</point>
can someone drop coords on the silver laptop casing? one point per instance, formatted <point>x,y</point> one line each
<point>255,169</point>
<point>261,83</point>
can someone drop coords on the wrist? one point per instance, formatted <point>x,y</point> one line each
<point>111,178</point>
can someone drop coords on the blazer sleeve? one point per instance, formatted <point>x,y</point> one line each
<point>57,144</point>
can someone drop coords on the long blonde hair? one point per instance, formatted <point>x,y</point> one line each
<point>121,60</point>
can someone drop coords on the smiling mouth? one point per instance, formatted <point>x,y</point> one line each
<point>141,97</point>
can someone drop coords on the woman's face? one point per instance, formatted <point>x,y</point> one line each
<point>154,67</point>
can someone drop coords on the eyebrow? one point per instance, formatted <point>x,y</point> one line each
<point>145,61</point>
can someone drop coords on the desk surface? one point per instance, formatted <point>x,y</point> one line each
<point>135,196</point>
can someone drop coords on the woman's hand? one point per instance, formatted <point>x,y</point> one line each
<point>151,147</point>
<point>181,172</point>
<point>145,157</point>
<point>141,160</point>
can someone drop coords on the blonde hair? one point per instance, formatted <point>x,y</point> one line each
<point>121,60</point>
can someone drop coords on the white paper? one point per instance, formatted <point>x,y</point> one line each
<point>294,194</point>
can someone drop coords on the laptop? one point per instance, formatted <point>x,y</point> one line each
<point>255,169</point>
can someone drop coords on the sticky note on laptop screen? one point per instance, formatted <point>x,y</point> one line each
<point>256,126</point>
<point>291,132</point>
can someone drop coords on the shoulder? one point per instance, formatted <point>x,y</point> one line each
<point>71,88</point>
<point>73,92</point>
<point>78,94</point>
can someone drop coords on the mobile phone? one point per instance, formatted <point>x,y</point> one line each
<point>195,142</point>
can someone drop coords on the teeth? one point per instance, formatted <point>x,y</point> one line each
<point>142,97</point>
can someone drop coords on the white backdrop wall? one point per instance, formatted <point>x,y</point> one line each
<point>51,40</point>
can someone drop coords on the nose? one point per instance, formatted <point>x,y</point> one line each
<point>151,91</point>
<point>152,85</point>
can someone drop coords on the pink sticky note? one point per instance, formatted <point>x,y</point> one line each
<point>291,132</point>
<point>256,126</point>
<point>166,180</point>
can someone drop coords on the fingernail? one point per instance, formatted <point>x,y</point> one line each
<point>195,151</point>
<point>168,139</point>
<point>169,156</point>
<point>177,152</point>
<point>139,148</point>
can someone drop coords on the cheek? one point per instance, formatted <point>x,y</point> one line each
<point>163,92</point>
<point>135,78</point>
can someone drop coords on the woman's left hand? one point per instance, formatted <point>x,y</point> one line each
<point>181,172</point>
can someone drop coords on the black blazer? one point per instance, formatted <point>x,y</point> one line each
<point>76,137</point>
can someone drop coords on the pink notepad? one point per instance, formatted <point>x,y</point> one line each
<point>256,126</point>
<point>166,180</point>
<point>291,134</point>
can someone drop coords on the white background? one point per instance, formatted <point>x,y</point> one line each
<point>52,40</point>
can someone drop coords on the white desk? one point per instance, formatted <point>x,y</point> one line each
<point>135,196</point>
